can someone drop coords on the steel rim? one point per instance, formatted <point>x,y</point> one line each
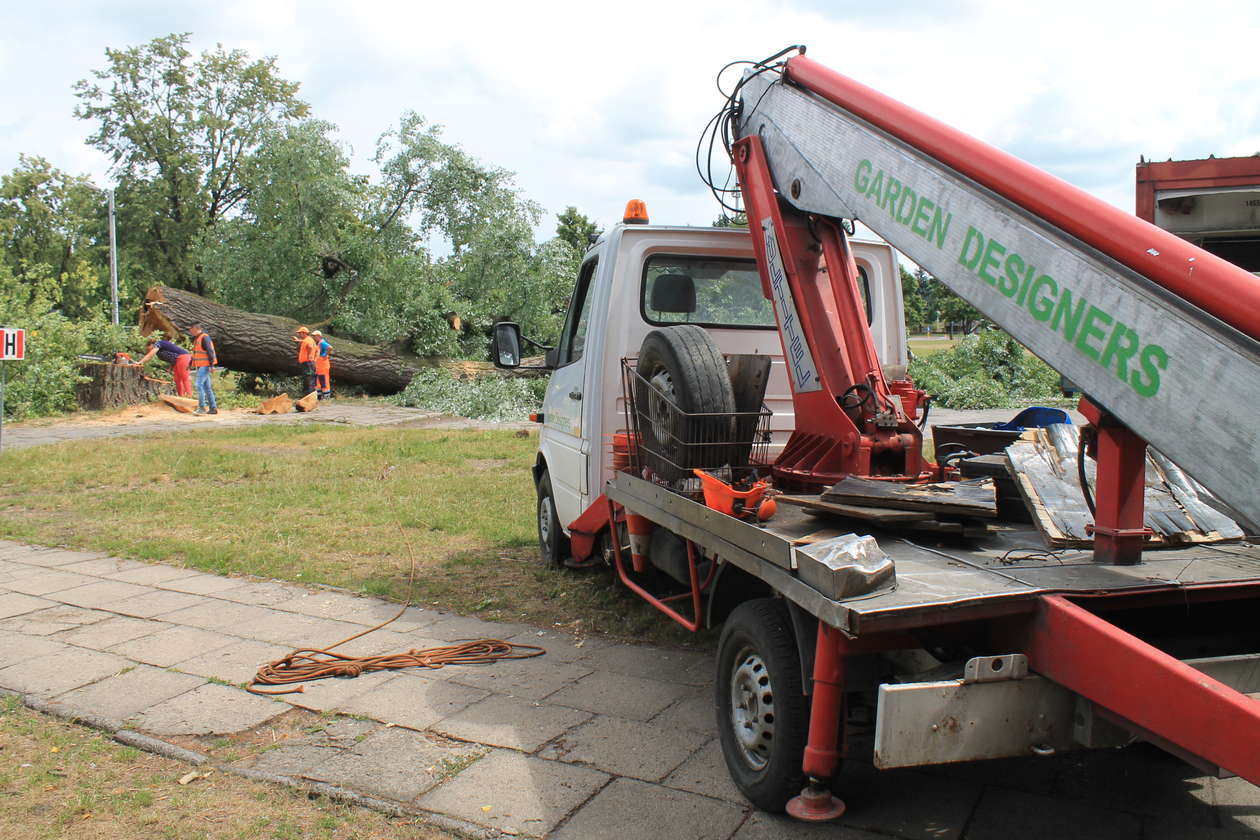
<point>544,523</point>
<point>661,400</point>
<point>752,708</point>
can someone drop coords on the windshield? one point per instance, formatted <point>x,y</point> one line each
<point>710,291</point>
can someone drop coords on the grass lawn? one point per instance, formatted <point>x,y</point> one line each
<point>926,345</point>
<point>347,507</point>
<point>58,780</point>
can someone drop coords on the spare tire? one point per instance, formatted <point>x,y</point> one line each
<point>685,402</point>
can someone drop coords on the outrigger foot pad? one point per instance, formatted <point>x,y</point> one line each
<point>815,804</point>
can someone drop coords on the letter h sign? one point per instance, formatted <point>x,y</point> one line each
<point>12,344</point>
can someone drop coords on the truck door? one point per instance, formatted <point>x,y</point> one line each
<point>563,442</point>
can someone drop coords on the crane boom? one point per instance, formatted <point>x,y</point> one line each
<point>1160,333</point>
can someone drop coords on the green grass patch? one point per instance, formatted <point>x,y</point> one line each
<point>926,345</point>
<point>347,507</point>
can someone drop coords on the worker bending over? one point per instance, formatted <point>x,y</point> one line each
<point>203,358</point>
<point>308,351</point>
<point>323,366</point>
<point>177,357</point>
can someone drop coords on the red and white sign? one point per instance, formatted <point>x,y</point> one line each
<point>12,344</point>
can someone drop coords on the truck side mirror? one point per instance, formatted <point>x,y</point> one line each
<point>507,345</point>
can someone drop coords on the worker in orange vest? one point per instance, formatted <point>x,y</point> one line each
<point>308,351</point>
<point>203,358</point>
<point>323,365</point>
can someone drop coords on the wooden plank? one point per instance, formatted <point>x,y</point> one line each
<point>966,498</point>
<point>181,404</point>
<point>874,515</point>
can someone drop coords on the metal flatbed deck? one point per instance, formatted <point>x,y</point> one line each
<point>938,581</point>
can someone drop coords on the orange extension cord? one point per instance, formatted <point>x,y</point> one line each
<point>306,664</point>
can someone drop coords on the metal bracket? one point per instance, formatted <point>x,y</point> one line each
<point>983,669</point>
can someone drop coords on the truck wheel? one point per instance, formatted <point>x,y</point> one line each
<point>552,542</point>
<point>762,713</point>
<point>687,373</point>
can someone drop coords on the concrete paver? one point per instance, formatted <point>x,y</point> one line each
<point>15,603</point>
<point>155,603</point>
<point>219,615</point>
<point>174,644</point>
<point>99,594</point>
<point>53,620</point>
<point>617,694</point>
<point>153,573</point>
<point>515,793</point>
<point>111,631</point>
<point>412,701</point>
<point>529,679</point>
<point>236,662</point>
<point>292,761</point>
<point>49,580</point>
<point>61,671</point>
<point>1002,814</point>
<point>208,710</point>
<point>200,583</point>
<point>763,826</point>
<point>630,747</point>
<point>705,773</point>
<point>632,810</point>
<point>262,593</point>
<point>560,647</point>
<point>102,566</point>
<point>652,663</point>
<point>694,710</point>
<point>394,763</point>
<point>19,647</point>
<point>39,556</point>
<point>127,693</point>
<point>510,722</point>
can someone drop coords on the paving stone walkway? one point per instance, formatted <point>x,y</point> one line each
<point>596,739</point>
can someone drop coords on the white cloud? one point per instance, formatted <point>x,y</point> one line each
<point>592,104</point>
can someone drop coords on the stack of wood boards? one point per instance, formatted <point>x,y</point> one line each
<point>954,507</point>
<point>1045,468</point>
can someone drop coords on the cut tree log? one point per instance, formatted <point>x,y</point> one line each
<point>282,404</point>
<point>113,386</point>
<point>257,343</point>
<point>308,403</point>
<point>183,405</point>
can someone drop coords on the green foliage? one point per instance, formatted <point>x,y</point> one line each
<point>928,302</point>
<point>739,220</point>
<point>52,224</point>
<point>489,397</point>
<point>178,130</point>
<point>44,382</point>
<point>987,370</point>
<point>576,229</point>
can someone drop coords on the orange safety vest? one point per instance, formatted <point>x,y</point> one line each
<point>307,350</point>
<point>200,358</point>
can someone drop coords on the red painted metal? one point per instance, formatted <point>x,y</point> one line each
<point>1119,517</point>
<point>826,713</point>
<point>697,615</point>
<point>830,441</point>
<point>1210,173</point>
<point>1145,686</point>
<point>1209,282</point>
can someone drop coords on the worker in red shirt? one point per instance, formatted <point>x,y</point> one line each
<point>177,357</point>
<point>203,359</point>
<point>308,351</point>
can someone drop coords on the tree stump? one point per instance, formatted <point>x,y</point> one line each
<point>114,386</point>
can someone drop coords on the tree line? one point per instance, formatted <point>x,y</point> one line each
<point>229,186</point>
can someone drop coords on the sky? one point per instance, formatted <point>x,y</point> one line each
<point>591,104</point>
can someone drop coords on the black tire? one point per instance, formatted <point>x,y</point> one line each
<point>762,713</point>
<point>686,370</point>
<point>552,543</point>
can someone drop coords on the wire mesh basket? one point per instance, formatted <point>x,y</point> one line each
<point>670,443</point>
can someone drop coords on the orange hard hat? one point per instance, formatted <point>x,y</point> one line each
<point>303,330</point>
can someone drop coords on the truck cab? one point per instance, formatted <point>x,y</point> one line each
<point>611,312</point>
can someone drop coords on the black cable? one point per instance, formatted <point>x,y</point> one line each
<point>1081,444</point>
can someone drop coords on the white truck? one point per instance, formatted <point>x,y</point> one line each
<point>698,360</point>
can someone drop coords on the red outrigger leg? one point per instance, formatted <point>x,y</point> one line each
<point>826,715</point>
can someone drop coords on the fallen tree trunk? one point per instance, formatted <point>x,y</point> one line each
<point>113,386</point>
<point>256,343</point>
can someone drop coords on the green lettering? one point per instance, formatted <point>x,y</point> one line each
<point>992,259</point>
<point>892,189</point>
<point>1121,346</point>
<point>877,185</point>
<point>1091,330</point>
<point>862,177</point>
<point>1041,307</point>
<point>1014,268</point>
<point>1064,313</point>
<point>905,207</point>
<point>1153,359</point>
<point>1023,286</point>
<point>921,215</point>
<point>977,237</point>
<point>938,229</point>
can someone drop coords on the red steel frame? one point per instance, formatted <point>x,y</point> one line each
<point>829,442</point>
<point>1212,173</point>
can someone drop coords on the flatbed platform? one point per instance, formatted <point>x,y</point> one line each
<point>938,581</point>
